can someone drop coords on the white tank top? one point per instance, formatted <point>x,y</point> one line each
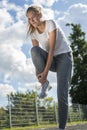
<point>61,45</point>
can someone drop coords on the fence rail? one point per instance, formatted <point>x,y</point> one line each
<point>32,111</point>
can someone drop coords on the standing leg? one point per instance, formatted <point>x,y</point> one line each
<point>64,67</point>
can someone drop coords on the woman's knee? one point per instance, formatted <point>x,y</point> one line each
<point>34,50</point>
<point>63,101</point>
<point>63,94</point>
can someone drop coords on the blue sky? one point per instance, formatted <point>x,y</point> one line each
<point>16,69</point>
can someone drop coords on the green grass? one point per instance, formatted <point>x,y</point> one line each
<point>30,128</point>
<point>76,123</point>
<point>44,126</point>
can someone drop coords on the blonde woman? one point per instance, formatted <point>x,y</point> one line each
<point>50,52</point>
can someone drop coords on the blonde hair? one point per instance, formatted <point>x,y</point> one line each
<point>36,10</point>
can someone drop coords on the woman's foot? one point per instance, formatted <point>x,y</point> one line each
<point>45,88</point>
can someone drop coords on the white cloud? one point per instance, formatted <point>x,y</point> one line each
<point>48,13</point>
<point>9,6</point>
<point>6,19</point>
<point>23,72</point>
<point>3,3</point>
<point>78,11</point>
<point>14,35</point>
<point>30,86</point>
<point>6,89</point>
<point>9,55</point>
<point>76,14</point>
<point>15,65</point>
<point>47,3</point>
<point>13,9</point>
<point>12,32</point>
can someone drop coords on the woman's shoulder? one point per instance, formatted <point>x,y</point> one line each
<point>51,22</point>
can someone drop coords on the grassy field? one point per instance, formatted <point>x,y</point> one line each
<point>43,126</point>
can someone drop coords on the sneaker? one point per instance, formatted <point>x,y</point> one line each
<point>45,88</point>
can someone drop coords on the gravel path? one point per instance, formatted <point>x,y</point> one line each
<point>74,127</point>
<point>77,127</point>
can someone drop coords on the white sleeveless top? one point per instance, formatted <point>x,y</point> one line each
<point>61,45</point>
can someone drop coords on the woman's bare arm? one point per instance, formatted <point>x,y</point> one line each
<point>52,38</point>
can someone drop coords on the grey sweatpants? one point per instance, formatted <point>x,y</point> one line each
<point>62,65</point>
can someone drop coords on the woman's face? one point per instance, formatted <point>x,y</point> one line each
<point>33,18</point>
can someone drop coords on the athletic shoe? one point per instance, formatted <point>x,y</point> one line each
<point>45,88</point>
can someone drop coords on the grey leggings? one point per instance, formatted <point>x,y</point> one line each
<point>62,65</point>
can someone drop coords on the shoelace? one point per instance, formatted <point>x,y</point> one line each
<point>45,86</point>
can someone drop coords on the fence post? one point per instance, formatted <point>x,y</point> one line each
<point>37,119</point>
<point>56,114</point>
<point>9,105</point>
<point>69,114</point>
<point>80,112</point>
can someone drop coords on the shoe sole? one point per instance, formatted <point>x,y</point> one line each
<point>49,88</point>
<point>41,97</point>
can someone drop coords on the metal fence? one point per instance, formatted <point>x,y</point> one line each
<point>28,111</point>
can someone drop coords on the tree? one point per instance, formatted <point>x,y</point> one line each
<point>78,91</point>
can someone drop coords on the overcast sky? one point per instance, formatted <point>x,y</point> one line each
<point>16,68</point>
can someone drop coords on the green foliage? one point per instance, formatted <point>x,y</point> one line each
<point>78,91</point>
<point>3,117</point>
<point>75,115</point>
<point>27,109</point>
<point>23,108</point>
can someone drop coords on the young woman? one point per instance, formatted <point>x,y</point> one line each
<point>50,52</point>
